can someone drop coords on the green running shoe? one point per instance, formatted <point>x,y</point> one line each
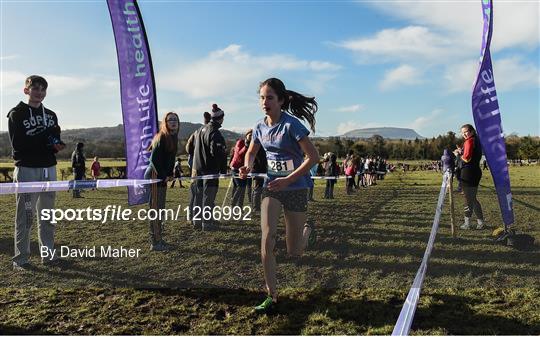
<point>266,306</point>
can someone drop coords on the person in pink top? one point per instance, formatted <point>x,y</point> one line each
<point>96,168</point>
<point>237,161</point>
<point>350,171</point>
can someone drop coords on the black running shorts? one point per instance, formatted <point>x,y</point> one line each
<point>294,201</point>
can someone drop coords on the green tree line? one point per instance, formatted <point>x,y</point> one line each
<point>111,145</point>
<point>526,147</point>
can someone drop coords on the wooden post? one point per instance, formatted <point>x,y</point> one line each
<point>227,193</point>
<point>451,197</point>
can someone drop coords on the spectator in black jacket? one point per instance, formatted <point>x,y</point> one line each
<point>78,164</point>
<point>332,170</point>
<point>164,146</point>
<point>209,157</point>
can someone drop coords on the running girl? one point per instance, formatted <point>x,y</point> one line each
<point>285,140</point>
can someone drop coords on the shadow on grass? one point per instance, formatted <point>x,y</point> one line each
<point>13,330</point>
<point>446,310</point>
<point>293,312</point>
<point>346,243</point>
<point>526,204</point>
<point>519,192</point>
<point>358,313</point>
<point>299,312</point>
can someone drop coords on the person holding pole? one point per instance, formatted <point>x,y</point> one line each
<point>285,140</point>
<point>471,154</point>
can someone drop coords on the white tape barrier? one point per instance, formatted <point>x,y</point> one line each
<point>208,176</point>
<point>406,316</point>
<point>65,185</point>
<point>251,175</point>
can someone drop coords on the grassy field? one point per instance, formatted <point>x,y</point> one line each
<point>353,281</point>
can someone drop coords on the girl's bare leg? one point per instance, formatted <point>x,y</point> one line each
<point>270,211</point>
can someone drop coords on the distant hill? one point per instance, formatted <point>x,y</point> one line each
<point>116,133</point>
<point>387,132</point>
<point>109,141</point>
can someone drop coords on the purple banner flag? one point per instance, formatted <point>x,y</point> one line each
<point>487,118</point>
<point>137,88</point>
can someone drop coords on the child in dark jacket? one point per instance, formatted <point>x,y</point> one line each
<point>332,170</point>
<point>78,164</point>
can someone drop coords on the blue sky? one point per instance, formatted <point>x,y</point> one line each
<point>385,63</point>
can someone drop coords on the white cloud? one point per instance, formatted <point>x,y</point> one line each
<point>412,42</point>
<point>13,83</point>
<point>513,72</point>
<point>515,24</point>
<point>9,57</point>
<point>195,109</point>
<point>239,129</point>
<point>65,84</point>
<point>400,76</point>
<point>510,73</point>
<point>347,126</point>
<point>442,30</point>
<point>317,84</point>
<point>448,34</point>
<point>351,108</point>
<point>321,66</point>
<point>426,122</point>
<point>460,77</point>
<point>236,105</point>
<point>231,70</point>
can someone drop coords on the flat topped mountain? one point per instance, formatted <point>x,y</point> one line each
<point>386,132</point>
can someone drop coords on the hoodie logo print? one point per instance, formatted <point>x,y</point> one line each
<point>34,125</point>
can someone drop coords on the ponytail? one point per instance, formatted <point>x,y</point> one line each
<point>302,107</point>
<point>296,104</point>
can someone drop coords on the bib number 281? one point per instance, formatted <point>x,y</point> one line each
<point>281,167</point>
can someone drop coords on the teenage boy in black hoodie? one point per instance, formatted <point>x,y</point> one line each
<point>35,139</point>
